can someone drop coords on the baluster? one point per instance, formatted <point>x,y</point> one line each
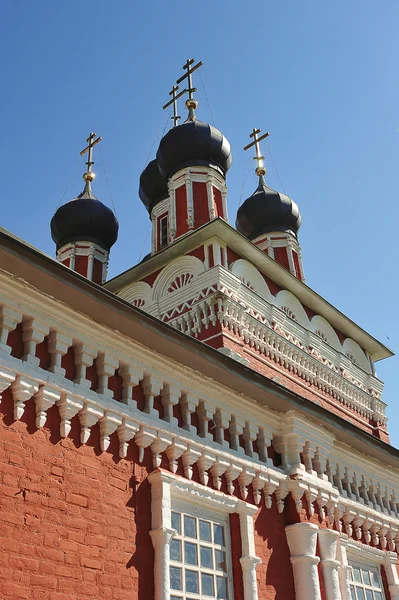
<point>218,468</point>
<point>249,435</point>
<point>188,406</point>
<point>131,377</point>
<point>189,457</point>
<point>33,333</point>
<point>46,397</point>
<point>58,345</point>
<point>204,463</point>
<point>126,432</point>
<point>222,420</point>
<point>9,319</point>
<point>84,358</point>
<point>88,416</point>
<point>143,439</point>
<point>152,387</point>
<point>232,473</point>
<point>23,388</point>
<point>205,413</point>
<point>174,452</point>
<point>68,405</point>
<point>170,397</point>
<point>106,367</point>
<point>264,440</point>
<point>236,430</point>
<point>158,446</point>
<point>320,463</point>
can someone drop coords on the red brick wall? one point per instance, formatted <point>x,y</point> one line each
<point>75,522</point>
<point>72,525</point>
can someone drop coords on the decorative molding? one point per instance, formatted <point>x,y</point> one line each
<point>165,488</point>
<point>343,484</point>
<point>302,541</point>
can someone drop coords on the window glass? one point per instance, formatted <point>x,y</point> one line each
<point>176,522</point>
<point>199,559</point>
<point>205,531</point>
<point>175,550</point>
<point>365,583</point>
<point>175,578</point>
<point>189,527</point>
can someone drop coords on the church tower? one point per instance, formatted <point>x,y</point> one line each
<point>185,187</point>
<point>84,229</point>
<point>271,220</point>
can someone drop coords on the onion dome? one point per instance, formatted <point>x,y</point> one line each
<point>266,211</point>
<point>193,144</point>
<point>85,218</point>
<point>153,186</point>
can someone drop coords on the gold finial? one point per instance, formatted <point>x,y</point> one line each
<point>89,176</point>
<point>191,104</point>
<point>174,102</point>
<point>260,169</point>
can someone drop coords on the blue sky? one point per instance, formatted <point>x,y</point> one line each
<point>322,77</point>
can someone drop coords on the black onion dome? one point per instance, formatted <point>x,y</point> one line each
<point>193,144</point>
<point>85,219</point>
<point>153,186</point>
<point>267,210</point>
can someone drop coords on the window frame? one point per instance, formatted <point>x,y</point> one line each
<point>356,553</point>
<point>164,218</point>
<point>363,565</point>
<point>167,490</point>
<point>215,517</point>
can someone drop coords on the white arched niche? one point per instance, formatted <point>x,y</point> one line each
<point>321,327</point>
<point>179,273</point>
<point>139,294</point>
<point>251,277</point>
<point>352,349</point>
<point>290,304</point>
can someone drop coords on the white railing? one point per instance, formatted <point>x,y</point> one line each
<point>287,350</point>
<point>240,455</point>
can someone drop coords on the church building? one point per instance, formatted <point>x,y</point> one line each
<point>202,426</point>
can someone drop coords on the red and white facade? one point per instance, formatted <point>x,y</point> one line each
<point>196,196</point>
<point>87,258</point>
<point>227,440</point>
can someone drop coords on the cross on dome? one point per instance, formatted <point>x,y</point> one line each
<point>260,169</point>
<point>191,104</point>
<point>173,101</point>
<point>89,176</point>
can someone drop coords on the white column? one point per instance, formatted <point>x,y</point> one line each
<point>161,533</point>
<point>302,540</point>
<point>211,202</point>
<point>328,553</point>
<point>154,233</point>
<point>190,202</point>
<point>90,262</point>
<point>172,212</point>
<point>343,570</point>
<point>249,561</point>
<point>392,574</point>
<point>224,203</point>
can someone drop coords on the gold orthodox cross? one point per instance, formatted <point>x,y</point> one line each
<point>91,143</point>
<point>174,102</point>
<point>188,75</point>
<point>260,169</point>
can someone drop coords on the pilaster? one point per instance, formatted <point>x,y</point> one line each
<point>302,541</point>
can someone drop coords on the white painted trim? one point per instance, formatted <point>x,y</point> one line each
<point>164,488</point>
<point>302,541</point>
<point>328,540</point>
